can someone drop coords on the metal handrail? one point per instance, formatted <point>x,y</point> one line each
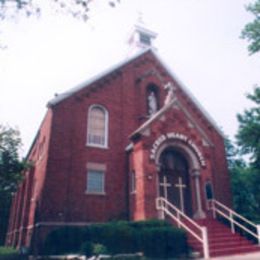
<point>214,204</point>
<point>166,207</point>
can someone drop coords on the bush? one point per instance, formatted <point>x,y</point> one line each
<point>64,240</point>
<point>86,248</point>
<point>154,238</point>
<point>149,223</point>
<point>163,242</point>
<point>118,237</point>
<point>99,249</point>
<point>9,253</point>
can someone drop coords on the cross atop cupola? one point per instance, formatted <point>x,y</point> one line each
<point>140,38</point>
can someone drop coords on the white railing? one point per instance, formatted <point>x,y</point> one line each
<point>182,220</point>
<point>234,218</point>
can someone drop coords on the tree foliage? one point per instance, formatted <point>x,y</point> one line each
<point>10,172</point>
<point>240,173</point>
<point>248,139</point>
<point>242,183</point>
<point>245,175</point>
<point>248,136</point>
<point>77,8</point>
<point>251,31</point>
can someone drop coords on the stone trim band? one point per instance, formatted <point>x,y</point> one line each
<point>180,137</point>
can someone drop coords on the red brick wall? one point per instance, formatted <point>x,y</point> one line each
<point>60,176</point>
<point>143,167</point>
<point>125,99</point>
<point>29,191</point>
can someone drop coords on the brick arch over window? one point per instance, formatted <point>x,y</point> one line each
<point>152,95</point>
<point>97,130</point>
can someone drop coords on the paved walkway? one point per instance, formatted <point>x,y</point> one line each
<point>239,257</point>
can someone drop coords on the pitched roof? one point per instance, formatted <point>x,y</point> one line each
<point>92,80</point>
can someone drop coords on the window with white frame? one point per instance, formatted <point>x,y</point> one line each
<point>96,181</point>
<point>97,126</point>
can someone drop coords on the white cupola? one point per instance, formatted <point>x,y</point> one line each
<point>140,38</point>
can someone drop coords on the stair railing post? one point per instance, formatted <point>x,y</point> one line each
<point>205,243</point>
<point>213,208</point>
<point>231,222</point>
<point>178,217</point>
<point>258,233</point>
<point>159,207</point>
<point>162,209</point>
<point>161,214</point>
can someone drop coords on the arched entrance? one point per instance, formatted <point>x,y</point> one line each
<point>188,168</point>
<point>174,179</point>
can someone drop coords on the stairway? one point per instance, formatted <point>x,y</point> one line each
<point>222,242</point>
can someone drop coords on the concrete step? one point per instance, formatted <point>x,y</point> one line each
<point>222,241</point>
<point>234,250</point>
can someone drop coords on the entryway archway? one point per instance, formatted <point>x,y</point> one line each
<point>186,179</point>
<point>174,179</point>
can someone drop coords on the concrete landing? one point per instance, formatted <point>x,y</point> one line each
<point>239,257</point>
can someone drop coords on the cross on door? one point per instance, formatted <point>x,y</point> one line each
<point>181,187</point>
<point>165,186</point>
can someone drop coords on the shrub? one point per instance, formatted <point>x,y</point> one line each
<point>64,240</point>
<point>9,253</point>
<point>154,238</point>
<point>149,223</point>
<point>99,249</point>
<point>116,236</point>
<point>163,242</point>
<point>86,248</point>
<point>5,251</point>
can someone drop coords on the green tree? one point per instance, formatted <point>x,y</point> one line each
<point>248,140</point>
<point>231,152</point>
<point>241,182</point>
<point>11,168</point>
<point>248,136</point>
<point>251,31</point>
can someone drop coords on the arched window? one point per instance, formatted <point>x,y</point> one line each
<point>97,126</point>
<point>152,93</point>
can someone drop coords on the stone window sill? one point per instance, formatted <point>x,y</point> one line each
<point>105,147</point>
<point>95,193</point>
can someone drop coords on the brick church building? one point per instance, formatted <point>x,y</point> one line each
<point>109,147</point>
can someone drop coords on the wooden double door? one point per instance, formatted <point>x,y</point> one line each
<point>174,180</point>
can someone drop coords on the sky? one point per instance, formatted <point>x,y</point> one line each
<point>198,39</point>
